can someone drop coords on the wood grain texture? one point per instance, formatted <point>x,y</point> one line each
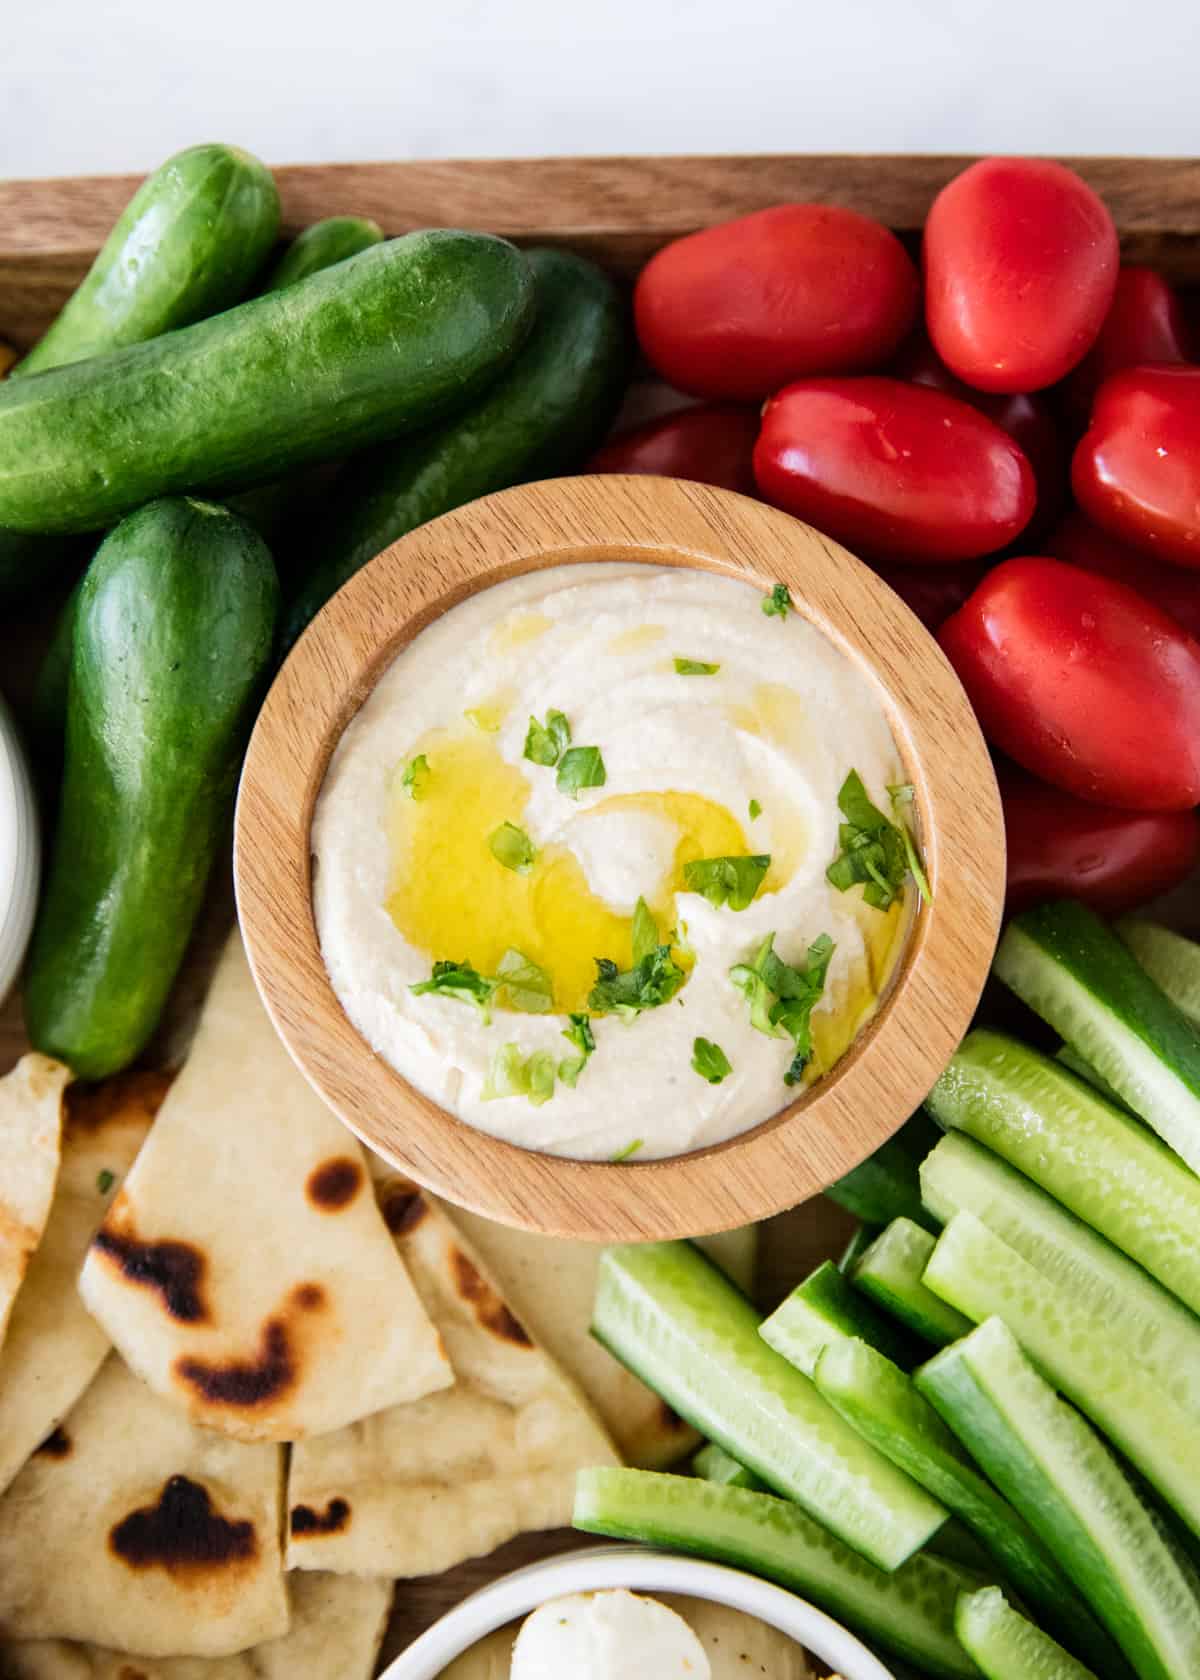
<point>894,1060</point>
<point>617,209</point>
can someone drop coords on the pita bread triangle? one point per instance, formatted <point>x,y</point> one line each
<point>30,1143</point>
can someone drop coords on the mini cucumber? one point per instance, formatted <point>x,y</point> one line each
<point>1006,1646</point>
<point>321,246</point>
<point>713,1464</point>
<point>1153,1326</point>
<point>1111,1172</point>
<point>884,1186</point>
<point>980,1275</point>
<point>669,1315</point>
<point>1170,960</point>
<point>541,418</point>
<point>825,1307</point>
<point>1053,1467</point>
<point>910,1611</point>
<point>885,1407</point>
<point>382,343</point>
<point>1073,971</point>
<point>188,245</point>
<point>173,637</point>
<point>890,1273</point>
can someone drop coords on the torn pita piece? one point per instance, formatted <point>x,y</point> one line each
<point>420,1487</point>
<point>54,1346</point>
<point>338,1623</point>
<point>244,1270</point>
<point>30,1140</point>
<point>134,1529</point>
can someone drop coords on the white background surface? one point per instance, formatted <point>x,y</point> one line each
<point>96,85</point>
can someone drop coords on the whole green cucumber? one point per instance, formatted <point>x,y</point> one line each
<point>189,243</point>
<point>322,245</point>
<point>542,417</point>
<point>388,340</point>
<point>174,628</point>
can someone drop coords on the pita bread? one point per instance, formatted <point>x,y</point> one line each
<point>30,1141</point>
<point>132,1528</point>
<point>551,1285</point>
<point>418,1488</point>
<point>338,1623</point>
<point>244,1271</point>
<point>54,1347</point>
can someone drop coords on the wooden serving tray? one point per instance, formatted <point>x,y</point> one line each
<point>618,211</point>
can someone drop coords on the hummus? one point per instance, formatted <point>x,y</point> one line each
<point>540,761</point>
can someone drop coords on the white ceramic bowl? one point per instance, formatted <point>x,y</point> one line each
<point>641,1570</point>
<point>19,852</point>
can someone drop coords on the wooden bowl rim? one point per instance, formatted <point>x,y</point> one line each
<point>894,1061</point>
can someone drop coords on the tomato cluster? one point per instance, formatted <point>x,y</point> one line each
<point>1011,437</point>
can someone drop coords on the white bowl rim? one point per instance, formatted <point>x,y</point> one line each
<point>641,1569</point>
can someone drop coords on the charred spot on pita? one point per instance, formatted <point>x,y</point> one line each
<point>334,1184</point>
<point>245,1382</point>
<point>175,1270</point>
<point>309,1297</point>
<point>182,1533</point>
<point>490,1311</point>
<point>89,1108</point>
<point>403,1208</point>
<point>332,1520</point>
<point>56,1445</point>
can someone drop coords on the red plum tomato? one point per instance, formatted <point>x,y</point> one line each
<point>1136,471</point>
<point>712,443</point>
<point>1080,543</point>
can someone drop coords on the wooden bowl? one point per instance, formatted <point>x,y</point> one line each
<point>895,1059</point>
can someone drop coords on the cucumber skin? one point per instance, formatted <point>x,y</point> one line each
<point>914,1305</point>
<point>189,244</point>
<point>387,340</point>
<point>883,1187</point>
<point>728,1524</point>
<point>826,1293</point>
<point>321,246</point>
<point>173,638</point>
<point>1171,961</point>
<point>542,417</point>
<point>1006,1646</point>
<point>713,1464</point>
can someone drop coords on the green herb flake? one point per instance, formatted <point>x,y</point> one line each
<point>459,980</point>
<point>727,880</point>
<point>710,1061</point>
<point>579,1033</point>
<point>876,853</point>
<point>513,1075</point>
<point>629,1149</point>
<point>755,810</point>
<point>694,668</point>
<point>105,1181</point>
<point>512,847</point>
<point>579,768</point>
<point>782,998</point>
<point>546,742</point>
<point>415,780</point>
<point>652,981</point>
<point>778,604</point>
<point>522,985</point>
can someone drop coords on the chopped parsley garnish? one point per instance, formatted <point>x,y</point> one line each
<point>105,1181</point>
<point>727,880</point>
<point>782,998</point>
<point>415,780</point>
<point>514,1075</point>
<point>512,847</point>
<point>546,742</point>
<point>778,604</point>
<point>694,668</point>
<point>580,767</point>
<point>710,1061</point>
<point>579,1033</point>
<point>755,810</point>
<point>461,981</point>
<point>629,1149</point>
<point>523,985</point>
<point>876,853</point>
<point>653,980</point>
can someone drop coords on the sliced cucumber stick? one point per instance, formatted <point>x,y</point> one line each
<point>1170,960</point>
<point>886,1408</point>
<point>884,1186</point>
<point>1083,1069</point>
<point>1006,1646</point>
<point>1071,968</point>
<point>713,1464</point>
<point>1062,1478</point>
<point>1085,1153</point>
<point>666,1312</point>
<point>858,1245</point>
<point>825,1308</point>
<point>890,1272</point>
<point>910,1612</point>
